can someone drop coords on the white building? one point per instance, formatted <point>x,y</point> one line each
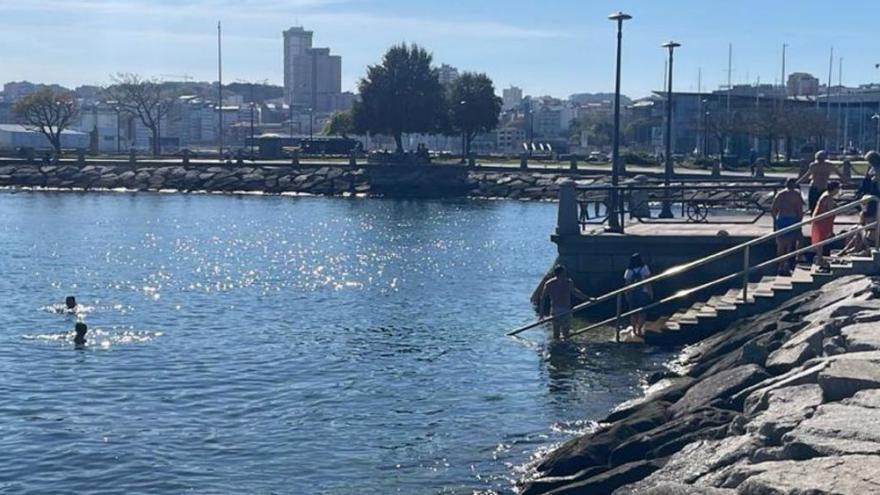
<point>511,98</point>
<point>447,74</point>
<point>14,136</point>
<point>101,124</point>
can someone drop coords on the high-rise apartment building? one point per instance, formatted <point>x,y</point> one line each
<point>511,98</point>
<point>312,76</point>
<point>447,74</point>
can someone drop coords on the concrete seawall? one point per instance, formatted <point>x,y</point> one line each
<point>390,180</point>
<point>781,403</point>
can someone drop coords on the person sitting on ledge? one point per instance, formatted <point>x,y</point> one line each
<point>70,304</point>
<point>560,289</point>
<point>80,339</point>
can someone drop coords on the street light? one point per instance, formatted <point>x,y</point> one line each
<point>614,223</point>
<point>462,104</point>
<point>666,212</point>
<point>876,117</point>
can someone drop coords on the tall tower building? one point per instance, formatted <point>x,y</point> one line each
<point>296,42</point>
<point>447,74</point>
<point>312,76</point>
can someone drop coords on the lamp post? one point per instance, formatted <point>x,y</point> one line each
<point>461,108</point>
<point>666,212</point>
<point>876,117</point>
<point>614,223</point>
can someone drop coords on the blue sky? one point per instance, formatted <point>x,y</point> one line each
<point>555,47</point>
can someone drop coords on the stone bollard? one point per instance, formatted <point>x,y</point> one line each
<point>567,216</point>
<point>132,158</point>
<point>186,157</point>
<point>847,171</point>
<point>716,168</point>
<point>352,159</point>
<point>295,160</point>
<point>759,167</point>
<point>639,199</point>
<point>80,157</point>
<point>573,164</point>
<point>524,161</point>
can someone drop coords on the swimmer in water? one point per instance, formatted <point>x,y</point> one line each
<point>80,339</point>
<point>70,304</point>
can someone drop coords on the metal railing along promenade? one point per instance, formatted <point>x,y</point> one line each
<point>683,269</point>
<point>691,201</point>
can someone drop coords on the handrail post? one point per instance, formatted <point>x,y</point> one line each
<point>746,275</point>
<point>617,317</point>
<point>876,221</point>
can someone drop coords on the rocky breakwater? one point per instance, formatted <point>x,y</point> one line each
<point>783,403</point>
<point>523,185</point>
<point>271,179</point>
<point>324,180</point>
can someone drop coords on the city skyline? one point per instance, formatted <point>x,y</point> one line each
<point>562,51</point>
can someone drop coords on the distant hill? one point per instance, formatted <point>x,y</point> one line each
<point>584,98</point>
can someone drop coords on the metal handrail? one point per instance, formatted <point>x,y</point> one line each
<point>686,267</point>
<point>693,290</point>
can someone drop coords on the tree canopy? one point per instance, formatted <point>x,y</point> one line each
<point>473,106</point>
<point>147,99</point>
<point>49,112</point>
<point>340,124</point>
<point>402,94</point>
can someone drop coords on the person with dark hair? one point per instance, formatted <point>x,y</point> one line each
<point>80,339</point>
<point>70,304</point>
<point>871,183</point>
<point>638,297</point>
<point>787,210</point>
<point>824,229</point>
<point>560,289</point>
<point>819,174</point>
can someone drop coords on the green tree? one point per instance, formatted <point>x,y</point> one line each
<point>473,107</point>
<point>599,129</point>
<point>48,112</point>
<point>340,124</point>
<point>402,94</point>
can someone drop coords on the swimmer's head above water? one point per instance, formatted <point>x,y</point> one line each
<point>70,302</point>
<point>80,330</point>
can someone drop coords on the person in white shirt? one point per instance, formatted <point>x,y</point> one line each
<point>639,297</point>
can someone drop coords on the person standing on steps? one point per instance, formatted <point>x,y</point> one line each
<point>640,297</point>
<point>787,210</point>
<point>824,229</point>
<point>819,174</point>
<point>560,289</point>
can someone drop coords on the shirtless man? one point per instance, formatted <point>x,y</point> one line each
<point>560,288</point>
<point>819,174</point>
<point>787,209</point>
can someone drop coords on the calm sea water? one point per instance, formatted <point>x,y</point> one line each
<point>284,345</point>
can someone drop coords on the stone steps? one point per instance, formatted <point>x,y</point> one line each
<point>703,318</point>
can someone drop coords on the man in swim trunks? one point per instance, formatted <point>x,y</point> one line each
<point>787,209</point>
<point>560,288</point>
<point>819,174</point>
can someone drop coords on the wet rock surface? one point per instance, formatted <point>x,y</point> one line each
<point>783,403</point>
